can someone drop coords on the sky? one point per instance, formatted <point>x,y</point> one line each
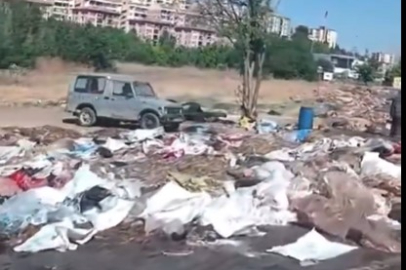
<point>362,24</point>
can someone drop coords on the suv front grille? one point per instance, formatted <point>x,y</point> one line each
<point>172,110</point>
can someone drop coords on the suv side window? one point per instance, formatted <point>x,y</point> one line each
<point>81,84</point>
<point>90,85</point>
<point>122,89</point>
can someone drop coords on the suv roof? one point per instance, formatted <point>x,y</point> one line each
<point>111,76</point>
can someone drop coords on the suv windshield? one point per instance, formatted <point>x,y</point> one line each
<point>143,89</point>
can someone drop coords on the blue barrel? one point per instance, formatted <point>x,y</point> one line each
<point>305,121</point>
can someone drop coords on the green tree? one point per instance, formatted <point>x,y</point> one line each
<point>366,73</point>
<point>301,33</point>
<point>245,24</point>
<point>25,36</point>
<point>395,71</point>
<point>167,40</point>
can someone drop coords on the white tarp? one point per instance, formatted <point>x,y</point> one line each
<point>312,247</point>
<point>263,204</point>
<point>373,165</point>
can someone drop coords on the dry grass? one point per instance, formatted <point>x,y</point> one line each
<point>49,82</point>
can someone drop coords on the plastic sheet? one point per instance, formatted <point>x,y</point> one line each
<point>26,208</point>
<point>172,202</point>
<point>114,145</point>
<point>245,208</point>
<point>8,152</point>
<point>266,126</point>
<point>263,204</point>
<point>373,165</point>
<point>140,135</point>
<point>297,135</point>
<point>84,148</point>
<point>312,247</point>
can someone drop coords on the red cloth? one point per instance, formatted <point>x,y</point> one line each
<point>8,187</point>
<point>397,148</point>
<point>26,182</point>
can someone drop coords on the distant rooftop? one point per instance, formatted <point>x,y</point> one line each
<point>329,56</point>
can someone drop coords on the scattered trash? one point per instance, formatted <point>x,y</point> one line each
<point>265,126</point>
<point>312,247</point>
<point>246,123</point>
<point>373,165</point>
<point>297,135</point>
<point>25,181</point>
<point>210,177</point>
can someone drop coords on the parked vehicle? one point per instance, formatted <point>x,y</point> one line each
<point>120,97</point>
<point>193,111</point>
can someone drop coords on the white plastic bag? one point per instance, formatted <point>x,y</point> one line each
<point>30,207</point>
<point>372,165</point>
<point>172,202</point>
<point>312,247</point>
<point>263,204</point>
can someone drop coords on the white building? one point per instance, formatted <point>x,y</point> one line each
<point>324,35</point>
<point>384,58</point>
<point>280,25</point>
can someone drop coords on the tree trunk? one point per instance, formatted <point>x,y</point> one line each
<point>252,78</point>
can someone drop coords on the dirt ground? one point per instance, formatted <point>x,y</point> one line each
<point>109,254</point>
<point>36,116</point>
<point>50,80</point>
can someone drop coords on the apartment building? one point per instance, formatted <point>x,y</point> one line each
<point>324,35</point>
<point>384,58</point>
<point>46,6</point>
<point>148,18</point>
<point>103,13</point>
<point>280,25</point>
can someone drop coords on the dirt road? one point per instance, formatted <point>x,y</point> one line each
<point>56,116</point>
<point>36,116</point>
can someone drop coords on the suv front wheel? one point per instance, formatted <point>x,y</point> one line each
<point>149,120</point>
<point>87,117</point>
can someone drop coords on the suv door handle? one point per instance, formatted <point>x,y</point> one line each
<point>106,98</point>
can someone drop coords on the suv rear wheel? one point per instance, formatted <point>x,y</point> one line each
<point>87,117</point>
<point>149,121</point>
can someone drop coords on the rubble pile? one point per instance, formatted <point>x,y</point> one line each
<point>356,108</point>
<point>60,188</point>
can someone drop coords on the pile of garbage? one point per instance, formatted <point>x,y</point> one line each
<point>67,190</point>
<point>356,108</point>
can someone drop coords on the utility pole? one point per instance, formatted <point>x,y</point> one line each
<point>324,36</point>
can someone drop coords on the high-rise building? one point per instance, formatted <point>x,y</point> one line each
<point>384,58</point>
<point>148,18</point>
<point>324,35</point>
<point>280,25</point>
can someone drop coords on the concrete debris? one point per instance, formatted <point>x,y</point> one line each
<point>355,108</point>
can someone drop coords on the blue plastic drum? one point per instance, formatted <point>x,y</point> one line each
<point>306,116</point>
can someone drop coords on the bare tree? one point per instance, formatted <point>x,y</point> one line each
<point>245,23</point>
